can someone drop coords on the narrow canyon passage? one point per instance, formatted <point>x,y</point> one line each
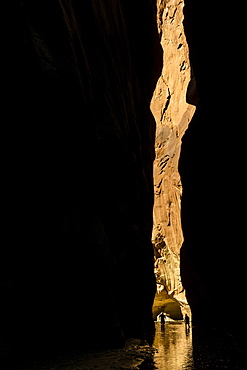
<point>200,161</point>
<point>119,119</point>
<point>172,113</point>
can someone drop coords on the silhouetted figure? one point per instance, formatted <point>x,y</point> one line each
<point>187,322</point>
<point>162,318</point>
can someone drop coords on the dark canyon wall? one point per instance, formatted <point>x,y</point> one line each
<point>212,167</point>
<point>78,181</point>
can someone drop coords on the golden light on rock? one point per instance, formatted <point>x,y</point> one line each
<point>172,114</point>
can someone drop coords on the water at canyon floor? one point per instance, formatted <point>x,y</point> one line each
<point>176,348</point>
<point>173,349</point>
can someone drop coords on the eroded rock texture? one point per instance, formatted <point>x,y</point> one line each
<point>212,167</point>
<point>173,114</point>
<point>79,150</point>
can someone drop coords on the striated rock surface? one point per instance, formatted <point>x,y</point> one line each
<point>172,114</point>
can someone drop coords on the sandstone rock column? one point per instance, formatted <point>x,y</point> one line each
<point>172,114</point>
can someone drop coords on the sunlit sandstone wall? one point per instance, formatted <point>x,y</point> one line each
<point>172,114</point>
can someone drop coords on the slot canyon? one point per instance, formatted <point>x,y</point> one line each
<point>123,146</point>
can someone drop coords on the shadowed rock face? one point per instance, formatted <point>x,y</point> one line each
<point>79,149</point>
<point>212,164</point>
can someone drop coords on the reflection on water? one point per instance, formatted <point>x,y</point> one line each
<point>196,349</point>
<point>173,347</point>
